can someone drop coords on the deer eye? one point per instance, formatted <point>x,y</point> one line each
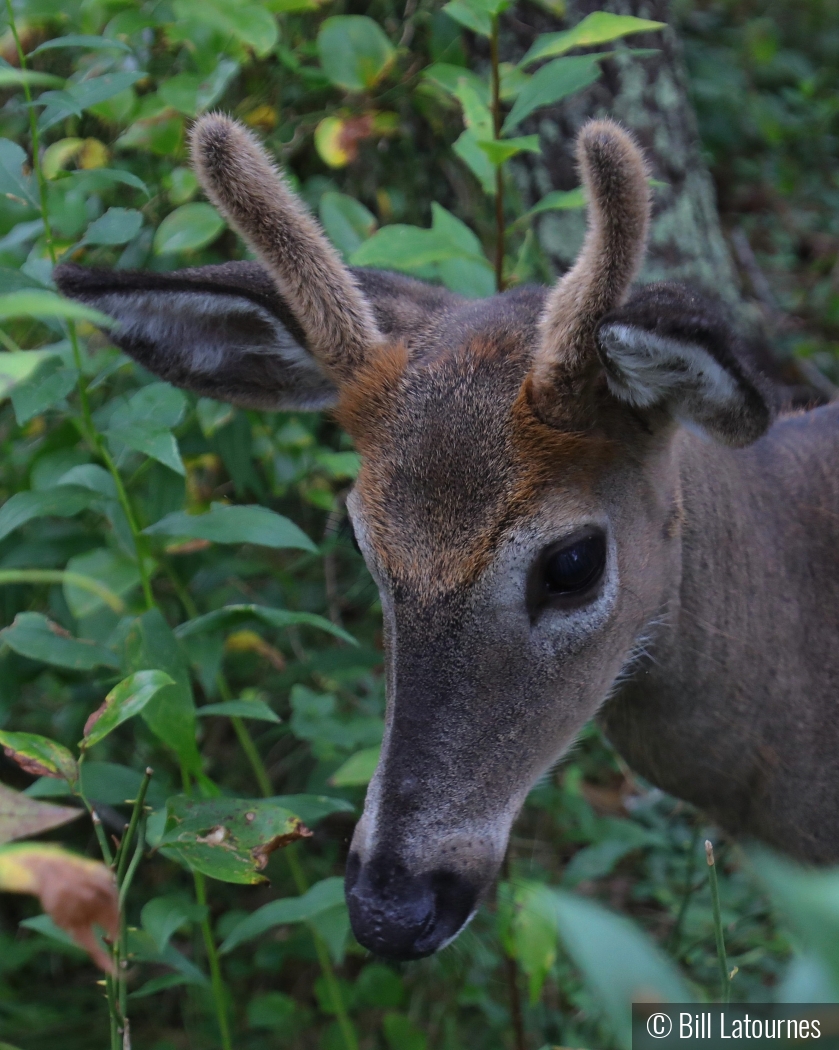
<point>575,567</point>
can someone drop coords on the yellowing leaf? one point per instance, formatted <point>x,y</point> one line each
<point>58,156</point>
<point>600,27</point>
<point>39,756</point>
<point>76,893</point>
<point>94,154</point>
<point>263,118</point>
<point>123,702</point>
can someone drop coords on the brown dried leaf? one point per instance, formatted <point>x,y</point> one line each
<point>22,816</point>
<point>75,892</point>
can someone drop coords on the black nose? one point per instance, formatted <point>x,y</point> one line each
<point>402,916</point>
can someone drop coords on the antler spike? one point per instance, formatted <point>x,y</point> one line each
<point>615,178</point>
<point>241,180</point>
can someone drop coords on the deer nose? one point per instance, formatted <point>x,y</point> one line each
<point>402,916</point>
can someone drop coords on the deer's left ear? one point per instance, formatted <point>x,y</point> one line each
<point>671,348</point>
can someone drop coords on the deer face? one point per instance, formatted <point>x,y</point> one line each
<point>518,503</point>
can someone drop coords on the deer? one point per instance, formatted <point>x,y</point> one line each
<point>577,502</point>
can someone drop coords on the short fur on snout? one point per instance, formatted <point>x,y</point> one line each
<point>494,435</point>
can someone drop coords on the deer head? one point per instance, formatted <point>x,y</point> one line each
<point>519,498</point>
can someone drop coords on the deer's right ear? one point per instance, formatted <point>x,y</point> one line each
<point>220,331</point>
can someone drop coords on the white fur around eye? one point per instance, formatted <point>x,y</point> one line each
<point>647,369</point>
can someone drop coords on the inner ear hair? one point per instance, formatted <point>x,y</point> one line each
<point>671,346</point>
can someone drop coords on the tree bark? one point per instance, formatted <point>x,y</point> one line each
<point>649,96</point>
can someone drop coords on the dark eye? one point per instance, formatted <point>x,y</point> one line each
<point>574,568</point>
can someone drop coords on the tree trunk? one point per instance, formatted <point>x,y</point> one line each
<point>649,96</point>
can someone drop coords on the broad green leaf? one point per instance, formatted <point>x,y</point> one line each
<point>88,43</point>
<point>406,248</point>
<point>50,384</point>
<point>234,615</point>
<point>402,1034</point>
<point>213,415</point>
<point>618,961</point>
<point>472,14</point>
<point>142,947</point>
<point>555,81</point>
<point>808,899</point>
<point>359,768</point>
<point>153,440</point>
<point>322,896</point>
<point>106,783</point>
<point>34,636</point>
<point>18,368</point>
<point>311,809</point>
<point>116,226</point>
<point>39,755</point>
<point>234,524</point>
<point>116,571</point>
<point>61,502</point>
<point>191,93</point>
<point>123,702</point>
<point>600,27</point>
<point>22,816</point>
<point>476,114</point>
<point>170,714</point>
<point>44,925</point>
<point>346,221</point>
<point>501,150</point>
<point>78,97</point>
<point>188,228</point>
<point>10,78</point>
<point>448,77</point>
<point>256,709</point>
<point>250,24</point>
<point>556,200</point>
<point>354,52</point>
<point>467,148</point>
<point>13,182</point>
<point>163,916</point>
<point>272,1010</point>
<point>227,839</point>
<point>99,179</point>
<point>40,303</point>
<point>159,403</point>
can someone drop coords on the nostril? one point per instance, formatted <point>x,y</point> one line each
<point>404,916</point>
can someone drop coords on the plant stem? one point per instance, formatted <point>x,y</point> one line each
<point>499,178</point>
<point>216,978</point>
<point>687,894</point>
<point>121,859</point>
<point>715,902</point>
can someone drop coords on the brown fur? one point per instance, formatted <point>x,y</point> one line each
<point>615,177</point>
<point>240,179</point>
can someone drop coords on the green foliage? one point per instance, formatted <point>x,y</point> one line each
<point>178,559</point>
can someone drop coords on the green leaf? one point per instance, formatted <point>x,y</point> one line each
<point>106,783</point>
<point>234,615</point>
<point>61,502</point>
<point>152,439</point>
<point>40,756</point>
<point>227,839</point>
<point>617,960</point>
<point>188,228</point>
<point>346,221</point>
<point>99,179</point>
<point>553,82</point>
<point>809,900</point>
<point>123,702</point>
<point>192,94</point>
<point>13,183</point>
<point>448,77</point>
<point>50,384</point>
<point>116,226</point>
<point>556,200</point>
<point>115,571</point>
<point>500,151</point>
<point>10,78</point>
<point>476,114</point>
<point>34,636</point>
<point>256,709</point>
<point>89,43</point>
<point>22,816</point>
<point>164,916</point>
<point>234,524</point>
<point>311,809</point>
<point>78,97</point>
<point>470,14</point>
<point>401,1033</point>
<point>467,148</point>
<point>600,27</point>
<point>354,52</point>
<point>359,768</point>
<point>170,714</point>
<point>250,24</point>
<point>37,303</point>
<point>321,897</point>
